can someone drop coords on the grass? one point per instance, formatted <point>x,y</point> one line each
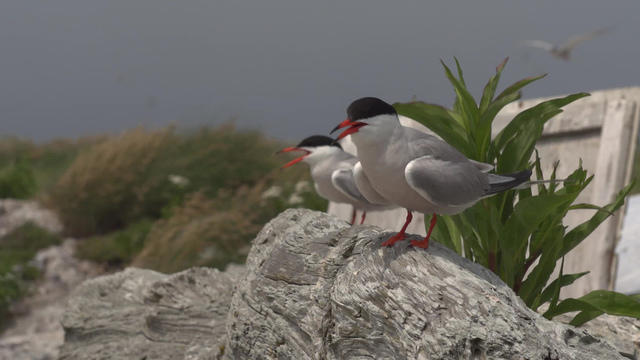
<point>162,199</point>
<point>18,248</point>
<point>116,248</point>
<point>47,161</point>
<point>17,181</point>
<point>168,200</point>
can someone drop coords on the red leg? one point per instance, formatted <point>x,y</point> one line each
<point>364,215</point>
<point>425,243</point>
<point>399,236</point>
<point>353,216</point>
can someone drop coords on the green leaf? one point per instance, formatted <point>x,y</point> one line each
<point>540,113</point>
<point>562,281</point>
<point>538,168</point>
<point>438,120</point>
<point>490,89</point>
<point>580,232</point>
<point>442,235</point>
<point>538,277</point>
<point>594,304</point>
<point>526,217</point>
<point>468,107</point>
<point>454,232</point>
<point>460,76</point>
<point>515,87</point>
<point>557,285</point>
<point>553,184</point>
<point>584,206</point>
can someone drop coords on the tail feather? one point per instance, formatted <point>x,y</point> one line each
<point>503,182</point>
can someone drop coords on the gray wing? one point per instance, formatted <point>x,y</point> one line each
<point>343,180</point>
<point>364,186</point>
<point>446,183</point>
<point>421,144</point>
<point>484,167</point>
<point>540,44</point>
<point>575,40</point>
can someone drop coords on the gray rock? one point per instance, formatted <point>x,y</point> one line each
<point>622,332</point>
<point>316,288</point>
<point>35,332</point>
<point>142,314</point>
<point>14,213</point>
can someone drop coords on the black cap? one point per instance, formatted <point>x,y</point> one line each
<point>318,140</point>
<point>369,107</point>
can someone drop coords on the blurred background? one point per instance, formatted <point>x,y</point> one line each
<point>148,127</point>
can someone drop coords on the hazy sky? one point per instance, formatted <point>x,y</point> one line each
<point>290,68</point>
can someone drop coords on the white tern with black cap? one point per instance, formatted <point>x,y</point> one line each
<point>415,170</point>
<point>337,175</point>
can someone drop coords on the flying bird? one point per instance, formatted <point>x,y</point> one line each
<point>337,175</point>
<point>563,51</point>
<point>415,170</point>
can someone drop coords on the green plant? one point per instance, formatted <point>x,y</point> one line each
<point>17,181</point>
<point>48,160</point>
<point>116,248</point>
<point>147,174</point>
<point>519,235</point>
<point>105,188</point>
<point>18,247</point>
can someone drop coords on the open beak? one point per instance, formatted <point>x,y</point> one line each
<point>354,126</point>
<point>296,160</point>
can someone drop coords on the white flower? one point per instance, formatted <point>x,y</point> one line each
<point>302,187</point>
<point>271,192</point>
<point>295,199</point>
<point>178,180</point>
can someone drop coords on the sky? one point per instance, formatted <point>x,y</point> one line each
<point>70,68</point>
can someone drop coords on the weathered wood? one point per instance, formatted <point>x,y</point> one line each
<point>600,131</point>
<point>628,250</point>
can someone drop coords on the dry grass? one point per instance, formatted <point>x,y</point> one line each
<point>215,231</point>
<point>117,189</point>
<point>104,187</point>
<point>200,233</point>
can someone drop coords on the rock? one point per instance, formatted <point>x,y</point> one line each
<point>36,332</point>
<point>622,332</point>
<point>142,314</point>
<point>316,288</point>
<point>14,213</point>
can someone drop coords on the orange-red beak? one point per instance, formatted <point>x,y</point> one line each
<point>354,126</point>
<point>296,160</point>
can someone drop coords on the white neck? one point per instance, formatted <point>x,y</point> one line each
<point>378,131</point>
<point>320,153</point>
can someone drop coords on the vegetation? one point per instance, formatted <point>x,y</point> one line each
<point>166,200</point>
<point>46,162</point>
<point>160,199</point>
<point>18,248</point>
<point>118,247</point>
<point>519,235</point>
<point>17,181</point>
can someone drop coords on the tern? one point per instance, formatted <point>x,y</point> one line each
<point>337,175</point>
<point>563,51</point>
<point>415,170</point>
